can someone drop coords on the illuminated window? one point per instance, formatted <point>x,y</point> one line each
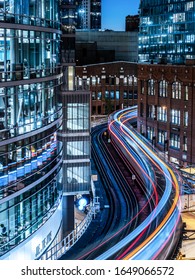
<point>175,117</point>
<point>151,112</point>
<point>162,114</point>
<point>185,146</point>
<point>186,92</point>
<point>162,136</point>
<point>176,90</point>
<point>150,132</point>
<point>70,78</point>
<point>163,87</point>
<point>185,118</point>
<point>93,80</point>
<point>151,88</point>
<point>175,141</point>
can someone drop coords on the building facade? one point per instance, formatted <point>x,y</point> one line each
<point>167,32</point>
<point>132,23</point>
<point>113,85</point>
<point>88,14</point>
<point>166,82</point>
<point>36,72</point>
<point>100,46</point>
<point>166,109</point>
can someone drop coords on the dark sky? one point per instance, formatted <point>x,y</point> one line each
<point>115,11</point>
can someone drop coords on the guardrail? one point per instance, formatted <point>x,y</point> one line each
<point>59,249</point>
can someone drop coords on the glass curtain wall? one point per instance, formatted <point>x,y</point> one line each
<point>30,118</point>
<point>167,32</point>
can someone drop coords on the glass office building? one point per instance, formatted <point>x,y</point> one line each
<point>167,31</point>
<point>88,14</point>
<point>34,72</point>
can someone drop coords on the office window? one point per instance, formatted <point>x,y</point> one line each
<point>99,95</point>
<point>175,117</point>
<point>93,95</point>
<point>175,140</point>
<point>186,93</point>
<point>163,88</point>
<point>150,132</point>
<point>162,136</point>
<point>186,118</point>
<point>125,96</point>
<point>78,148</point>
<point>151,111</point>
<point>185,142</point>
<point>78,116</point>
<point>176,90</point>
<point>70,78</point>
<point>117,95</point>
<point>142,87</point>
<point>151,87</point>
<point>162,114</point>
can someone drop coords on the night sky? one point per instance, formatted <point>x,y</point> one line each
<point>115,11</point>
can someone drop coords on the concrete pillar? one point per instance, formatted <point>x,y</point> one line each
<point>67,214</point>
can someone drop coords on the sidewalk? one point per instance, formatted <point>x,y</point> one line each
<point>188,246</point>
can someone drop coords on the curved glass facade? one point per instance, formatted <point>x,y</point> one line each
<point>167,32</point>
<point>30,118</point>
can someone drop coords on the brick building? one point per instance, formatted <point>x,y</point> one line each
<point>167,109</point>
<point>113,85</point>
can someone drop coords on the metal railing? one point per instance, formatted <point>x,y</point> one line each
<point>60,248</point>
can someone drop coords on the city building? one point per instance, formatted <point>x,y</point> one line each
<point>132,23</point>
<point>167,31</point>
<point>44,126</point>
<point>166,77</point>
<point>75,131</point>
<point>106,46</point>
<point>166,109</point>
<point>88,14</point>
<point>113,85</point>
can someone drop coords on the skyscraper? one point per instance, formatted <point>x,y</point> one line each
<point>88,14</point>
<point>167,31</point>
<point>39,109</point>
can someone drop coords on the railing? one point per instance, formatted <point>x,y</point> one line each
<point>28,19</point>
<point>30,73</point>
<point>63,246</point>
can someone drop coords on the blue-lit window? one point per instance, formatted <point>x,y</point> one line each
<point>162,114</point>
<point>150,132</point>
<point>111,94</point>
<point>175,117</point>
<point>162,136</point>
<point>78,148</point>
<point>117,95</point>
<point>78,116</point>
<point>99,95</point>
<point>78,174</point>
<point>107,94</point>
<point>125,96</point>
<point>175,140</point>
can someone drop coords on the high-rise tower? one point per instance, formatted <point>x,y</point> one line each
<point>44,126</point>
<point>167,31</point>
<point>88,14</point>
